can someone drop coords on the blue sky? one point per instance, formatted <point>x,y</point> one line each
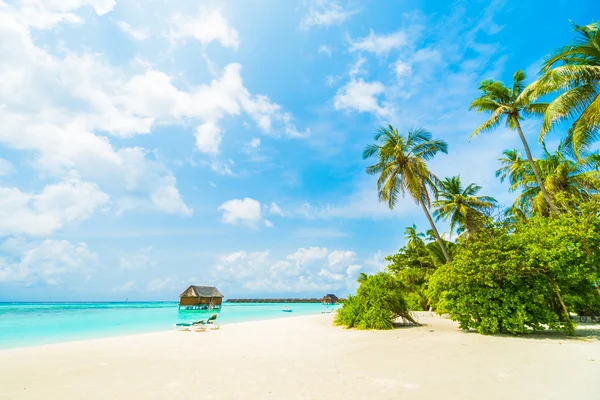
<point>146,146</point>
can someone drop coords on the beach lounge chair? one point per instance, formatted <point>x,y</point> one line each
<point>188,326</point>
<point>211,322</point>
<point>328,312</point>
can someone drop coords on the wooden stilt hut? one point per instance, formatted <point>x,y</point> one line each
<point>200,298</point>
<point>330,299</point>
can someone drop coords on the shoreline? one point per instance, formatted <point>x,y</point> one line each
<point>66,324</point>
<point>277,359</point>
<point>145,334</point>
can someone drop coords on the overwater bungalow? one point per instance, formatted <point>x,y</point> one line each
<point>330,299</point>
<point>200,298</point>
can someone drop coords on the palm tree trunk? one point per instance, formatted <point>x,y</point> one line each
<point>535,169</point>
<point>436,233</point>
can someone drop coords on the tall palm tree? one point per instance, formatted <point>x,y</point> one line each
<point>574,72</point>
<point>401,166</point>
<point>461,205</point>
<point>561,173</point>
<point>501,101</point>
<point>413,238</point>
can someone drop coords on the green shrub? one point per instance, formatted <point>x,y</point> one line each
<point>377,303</point>
<point>521,280</point>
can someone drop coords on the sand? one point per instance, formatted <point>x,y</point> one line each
<point>307,358</point>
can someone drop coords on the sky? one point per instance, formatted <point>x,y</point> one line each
<point>149,145</point>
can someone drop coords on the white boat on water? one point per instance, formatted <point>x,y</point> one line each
<point>286,309</point>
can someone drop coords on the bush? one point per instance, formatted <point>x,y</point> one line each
<point>524,280</point>
<point>377,303</point>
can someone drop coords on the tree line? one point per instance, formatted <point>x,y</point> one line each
<point>516,269</point>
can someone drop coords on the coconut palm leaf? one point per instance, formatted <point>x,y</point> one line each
<point>504,103</point>
<point>401,167</point>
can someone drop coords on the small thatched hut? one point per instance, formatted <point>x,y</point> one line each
<point>199,297</point>
<point>330,299</point>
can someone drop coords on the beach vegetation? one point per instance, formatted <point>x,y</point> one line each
<point>378,303</point>
<point>512,270</point>
<point>519,278</point>
<point>572,74</point>
<point>503,102</point>
<point>401,169</point>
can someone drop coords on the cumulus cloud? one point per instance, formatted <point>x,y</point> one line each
<point>208,138</point>
<point>44,213</point>
<point>361,96</point>
<point>48,263</point>
<point>207,26</point>
<point>326,13</point>
<point>306,270</point>
<point>245,211</point>
<point>63,108</point>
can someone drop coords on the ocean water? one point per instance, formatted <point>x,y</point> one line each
<point>28,324</point>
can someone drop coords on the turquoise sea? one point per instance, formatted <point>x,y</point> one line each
<point>28,324</point>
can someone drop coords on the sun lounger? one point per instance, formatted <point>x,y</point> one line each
<point>211,322</point>
<point>188,326</point>
<point>328,312</point>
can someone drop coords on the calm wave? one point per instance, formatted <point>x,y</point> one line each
<point>27,324</point>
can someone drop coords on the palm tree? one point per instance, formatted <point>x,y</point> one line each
<point>401,166</point>
<point>512,166</point>
<point>461,205</point>
<point>501,101</point>
<point>579,179</point>
<point>574,71</point>
<point>413,238</point>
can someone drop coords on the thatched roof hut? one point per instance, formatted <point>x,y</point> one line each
<point>329,299</point>
<point>197,296</point>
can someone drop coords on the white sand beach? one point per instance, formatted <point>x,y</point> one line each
<point>307,358</point>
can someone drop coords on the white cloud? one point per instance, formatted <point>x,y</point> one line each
<point>380,44</point>
<point>307,270</point>
<point>357,67</point>
<point>60,107</point>
<point>274,209</point>
<point>254,143</point>
<point>361,96</point>
<point>207,26</point>
<point>127,286</point>
<point>402,69</point>
<point>6,167</point>
<point>245,211</point>
<point>208,138</point>
<point>304,256</point>
<point>45,14</point>
<point>325,50</point>
<point>57,205</point>
<point>362,203</point>
<point>48,263</point>
<point>326,13</point>
<point>138,260</point>
<point>136,33</point>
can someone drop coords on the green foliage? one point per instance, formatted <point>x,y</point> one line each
<point>573,73</point>
<point>378,302</point>
<point>402,169</point>
<point>524,278</point>
<point>461,205</point>
<point>561,174</point>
